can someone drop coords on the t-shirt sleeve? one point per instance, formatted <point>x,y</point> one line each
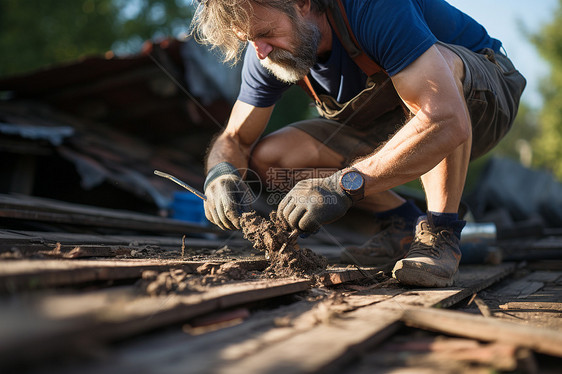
<point>259,88</point>
<point>393,32</point>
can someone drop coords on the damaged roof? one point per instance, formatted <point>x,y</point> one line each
<point>115,120</point>
<point>145,94</point>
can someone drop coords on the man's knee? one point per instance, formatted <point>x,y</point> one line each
<point>289,149</point>
<point>266,155</point>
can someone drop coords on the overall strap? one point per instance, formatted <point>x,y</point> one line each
<point>340,24</point>
<point>337,18</point>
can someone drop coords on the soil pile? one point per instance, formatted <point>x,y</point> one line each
<point>177,281</point>
<point>273,237</point>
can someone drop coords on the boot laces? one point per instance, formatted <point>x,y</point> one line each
<point>431,241</point>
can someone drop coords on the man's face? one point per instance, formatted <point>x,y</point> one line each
<point>290,66</point>
<point>287,48</point>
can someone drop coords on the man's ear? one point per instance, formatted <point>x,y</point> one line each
<point>303,7</point>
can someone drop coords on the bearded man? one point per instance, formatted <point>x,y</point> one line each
<point>405,89</point>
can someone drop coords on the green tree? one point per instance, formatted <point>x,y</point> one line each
<point>548,144</point>
<point>517,144</point>
<point>35,33</point>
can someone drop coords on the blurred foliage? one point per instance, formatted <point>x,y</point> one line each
<point>35,33</point>
<point>517,144</point>
<point>547,146</point>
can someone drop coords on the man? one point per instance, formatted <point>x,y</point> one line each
<point>446,96</point>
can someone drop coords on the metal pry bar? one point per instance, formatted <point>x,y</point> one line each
<point>181,183</point>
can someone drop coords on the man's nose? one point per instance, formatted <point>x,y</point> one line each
<point>262,48</point>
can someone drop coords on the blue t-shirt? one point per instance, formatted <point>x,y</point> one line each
<point>394,33</point>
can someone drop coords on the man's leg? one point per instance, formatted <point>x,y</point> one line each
<point>291,148</point>
<point>434,255</point>
<point>444,184</point>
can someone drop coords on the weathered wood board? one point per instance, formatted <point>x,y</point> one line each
<point>325,343</point>
<point>34,274</point>
<point>485,329</point>
<point>45,210</point>
<point>91,318</point>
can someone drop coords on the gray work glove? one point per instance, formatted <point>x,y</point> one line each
<point>227,196</point>
<point>312,203</point>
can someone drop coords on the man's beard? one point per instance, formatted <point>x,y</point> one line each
<point>289,67</point>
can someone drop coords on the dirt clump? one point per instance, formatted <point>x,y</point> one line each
<point>146,251</point>
<point>177,281</point>
<point>230,270</point>
<point>273,236</point>
<point>13,254</point>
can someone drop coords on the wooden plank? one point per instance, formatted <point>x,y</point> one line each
<point>177,351</point>
<point>486,329</point>
<point>543,308</point>
<point>180,350</point>
<point>123,316</point>
<point>325,348</point>
<point>39,209</point>
<point>341,341</point>
<point>482,306</point>
<point>529,284</point>
<point>536,306</point>
<point>421,354</point>
<point>520,289</point>
<point>337,275</point>
<point>554,264</point>
<point>61,323</point>
<point>472,279</point>
<point>32,242</point>
<point>318,340</point>
<point>545,276</point>
<point>33,274</point>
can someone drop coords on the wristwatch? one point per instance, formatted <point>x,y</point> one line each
<point>353,184</point>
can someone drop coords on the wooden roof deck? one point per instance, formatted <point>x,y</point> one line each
<point>78,301</point>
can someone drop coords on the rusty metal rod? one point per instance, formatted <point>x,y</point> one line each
<point>181,183</point>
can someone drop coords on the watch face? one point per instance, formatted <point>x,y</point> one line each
<point>352,181</point>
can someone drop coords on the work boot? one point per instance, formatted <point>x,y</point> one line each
<point>387,246</point>
<point>433,258</point>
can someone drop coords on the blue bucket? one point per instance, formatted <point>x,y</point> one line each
<point>188,207</point>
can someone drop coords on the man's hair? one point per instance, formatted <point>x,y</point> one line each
<point>215,20</point>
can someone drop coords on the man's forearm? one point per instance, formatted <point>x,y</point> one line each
<point>414,150</point>
<point>225,148</point>
<point>234,144</point>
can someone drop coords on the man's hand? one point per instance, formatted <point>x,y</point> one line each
<point>227,196</point>
<point>312,203</point>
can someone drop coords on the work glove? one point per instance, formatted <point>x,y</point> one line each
<point>314,202</point>
<point>227,196</point>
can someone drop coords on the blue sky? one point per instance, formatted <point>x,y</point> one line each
<point>503,20</point>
